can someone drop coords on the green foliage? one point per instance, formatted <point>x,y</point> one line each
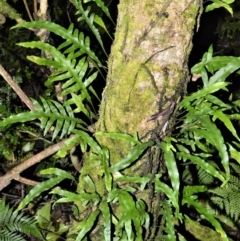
<point>219,4</point>
<point>16,226</point>
<point>121,214</point>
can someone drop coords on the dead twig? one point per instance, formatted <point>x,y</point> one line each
<point>16,88</point>
<point>15,172</point>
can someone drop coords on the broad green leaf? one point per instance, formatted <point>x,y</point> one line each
<point>43,216</point>
<point>132,156</point>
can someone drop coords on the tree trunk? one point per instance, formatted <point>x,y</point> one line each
<point>148,74</point>
<point>147,67</point>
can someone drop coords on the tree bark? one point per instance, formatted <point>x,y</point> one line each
<point>147,67</point>
<point>147,75</point>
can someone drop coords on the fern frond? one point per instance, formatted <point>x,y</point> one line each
<point>101,4</point>
<point>204,177</point>
<point>227,198</point>
<point>169,220</point>
<point>69,70</point>
<point>49,113</point>
<point>89,19</point>
<point>74,39</point>
<point>15,225</point>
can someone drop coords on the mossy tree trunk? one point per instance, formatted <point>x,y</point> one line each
<point>147,73</point>
<point>147,66</point>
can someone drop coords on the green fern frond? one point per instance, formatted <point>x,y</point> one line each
<point>169,220</point>
<point>49,113</point>
<point>15,225</point>
<point>227,199</point>
<point>89,19</point>
<point>101,4</point>
<point>204,177</point>
<point>236,168</point>
<point>68,69</point>
<point>75,41</point>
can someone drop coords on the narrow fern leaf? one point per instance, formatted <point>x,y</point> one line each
<point>106,220</point>
<point>218,114</point>
<point>217,140</point>
<point>203,92</point>
<point>132,156</point>
<point>37,190</point>
<point>162,187</point>
<point>85,226</point>
<point>213,99</point>
<point>8,236</point>
<point>75,72</point>
<point>172,172</point>
<point>169,227</point>
<point>59,123</point>
<point>43,61</point>
<point>171,165</point>
<point>22,117</point>
<point>90,141</point>
<point>24,224</point>
<point>67,34</point>
<point>98,20</point>
<point>202,210</point>
<point>57,172</point>
<point>203,164</point>
<point>234,153</point>
<point>58,76</point>
<point>73,124</point>
<point>78,101</point>
<point>70,143</point>
<point>101,4</point>
<point>143,180</point>
<point>89,21</point>
<point>105,164</point>
<point>225,71</point>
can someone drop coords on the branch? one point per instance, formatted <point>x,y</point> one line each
<point>15,172</point>
<point>17,89</point>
